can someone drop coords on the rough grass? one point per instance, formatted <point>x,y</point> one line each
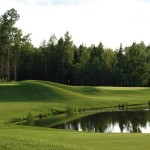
<point>18,98</point>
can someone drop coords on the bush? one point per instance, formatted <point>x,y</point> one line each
<point>119,106</point>
<point>126,106</point>
<point>70,111</point>
<point>149,104</point>
<point>30,119</point>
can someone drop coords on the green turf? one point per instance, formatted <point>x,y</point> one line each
<point>31,138</point>
<point>18,98</point>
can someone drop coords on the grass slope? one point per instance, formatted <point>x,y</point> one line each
<point>18,98</point>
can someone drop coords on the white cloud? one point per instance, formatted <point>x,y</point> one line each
<point>53,2</point>
<point>34,2</point>
<point>108,21</point>
<point>144,1</point>
<point>71,2</point>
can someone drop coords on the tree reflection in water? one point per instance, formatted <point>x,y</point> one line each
<point>125,121</point>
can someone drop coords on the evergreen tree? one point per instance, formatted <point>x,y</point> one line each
<point>7,35</point>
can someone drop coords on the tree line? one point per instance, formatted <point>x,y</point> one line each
<point>61,61</point>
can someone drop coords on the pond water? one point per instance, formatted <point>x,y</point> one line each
<point>112,122</point>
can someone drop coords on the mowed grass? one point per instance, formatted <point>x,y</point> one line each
<point>18,98</point>
<point>31,138</point>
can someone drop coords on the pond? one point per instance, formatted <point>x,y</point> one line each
<point>112,122</point>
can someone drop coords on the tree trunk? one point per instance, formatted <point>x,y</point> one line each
<point>15,72</point>
<point>58,71</point>
<point>2,70</point>
<point>83,77</point>
<point>45,69</point>
<point>8,66</point>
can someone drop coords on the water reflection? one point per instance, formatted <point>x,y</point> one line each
<point>114,122</point>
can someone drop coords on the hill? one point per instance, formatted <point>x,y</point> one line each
<point>18,98</point>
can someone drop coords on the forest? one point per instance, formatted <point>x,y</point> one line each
<point>61,61</point>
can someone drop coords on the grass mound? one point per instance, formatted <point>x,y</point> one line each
<point>18,98</point>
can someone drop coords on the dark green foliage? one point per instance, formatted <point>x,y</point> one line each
<point>62,62</point>
<point>123,106</point>
<point>30,119</point>
<point>149,104</point>
<point>137,66</point>
<point>70,111</point>
<point>119,106</point>
<point>126,106</point>
<point>9,42</point>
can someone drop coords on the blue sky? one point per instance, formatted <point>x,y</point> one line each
<point>88,21</point>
